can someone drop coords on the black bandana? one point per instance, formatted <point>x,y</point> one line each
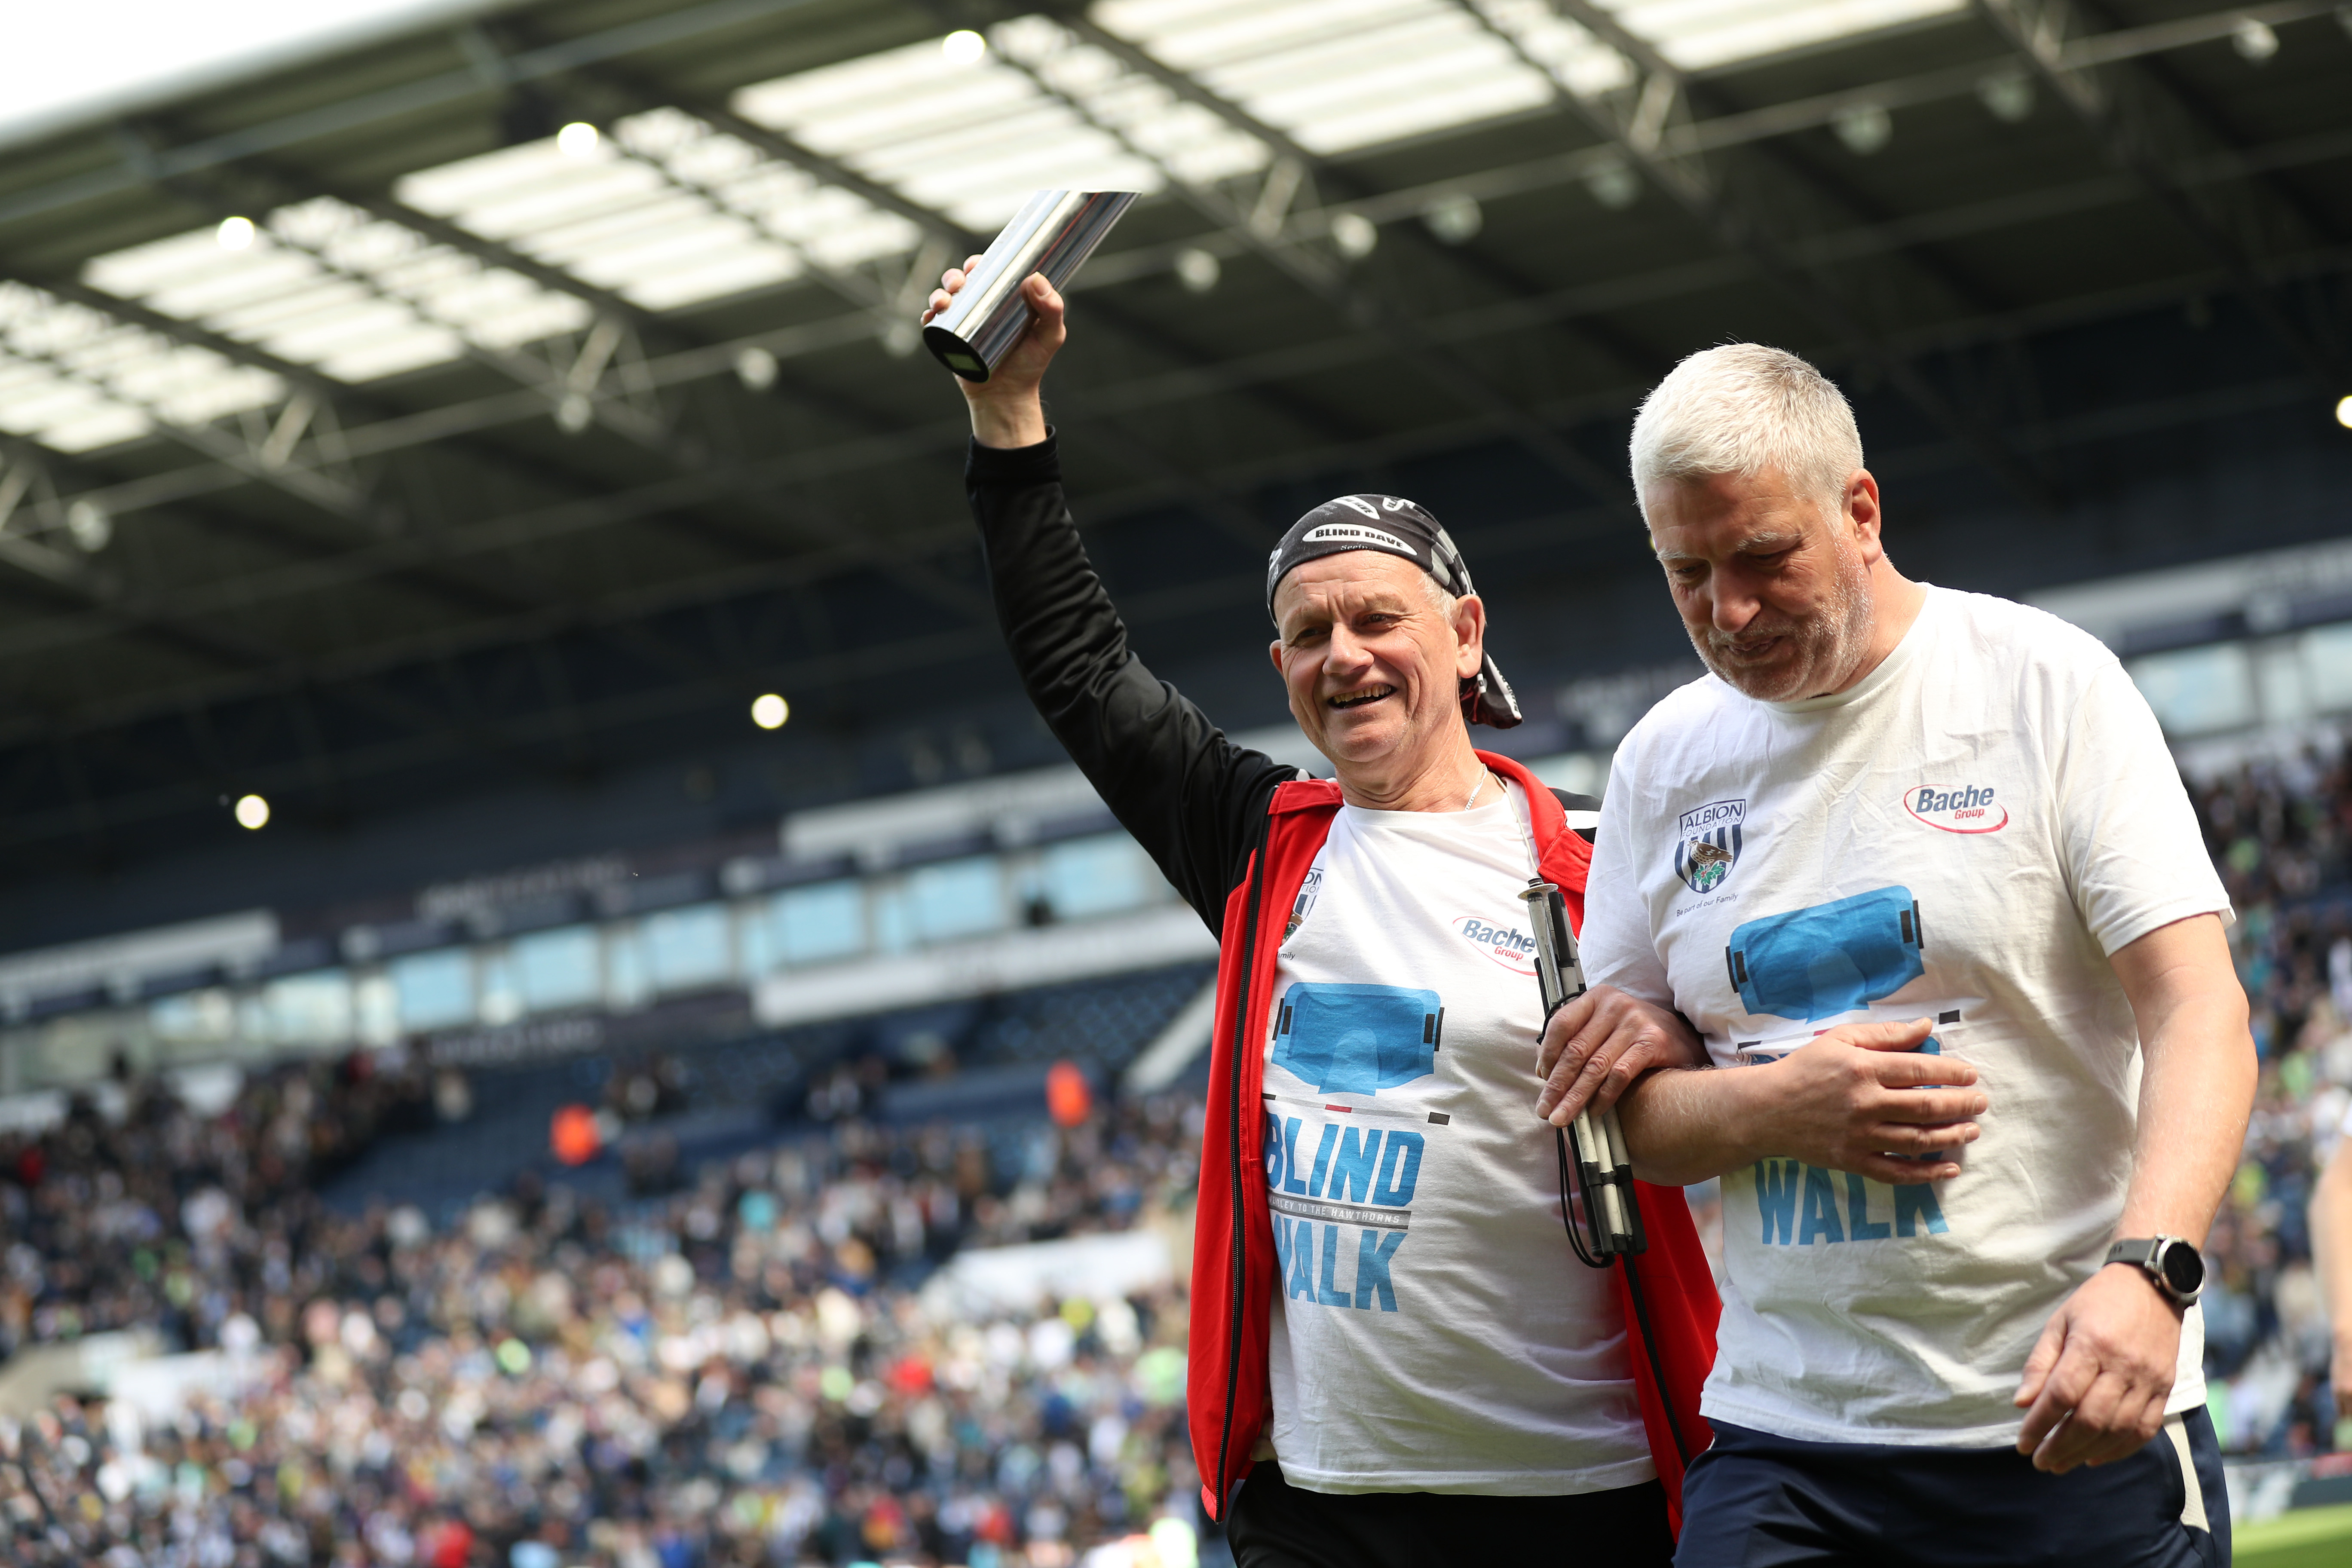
<point>1395,526</point>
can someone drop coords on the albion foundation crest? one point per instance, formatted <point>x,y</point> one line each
<point>1706,844</point>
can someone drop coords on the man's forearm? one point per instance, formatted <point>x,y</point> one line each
<point>2197,1086</point>
<point>1684,1125</point>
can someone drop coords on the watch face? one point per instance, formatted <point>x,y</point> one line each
<point>2184,1268</point>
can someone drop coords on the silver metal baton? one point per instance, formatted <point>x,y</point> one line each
<point>1052,233</point>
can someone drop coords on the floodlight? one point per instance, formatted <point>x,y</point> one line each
<point>234,233</point>
<point>252,811</point>
<point>2344,411</point>
<point>90,526</point>
<point>756,368</point>
<point>1454,219</point>
<point>963,46</point>
<point>769,712</point>
<point>578,139</point>
<point>1355,235</point>
<point>2006,95</point>
<point>1197,269</point>
<point>1865,128</point>
<point>1614,184</point>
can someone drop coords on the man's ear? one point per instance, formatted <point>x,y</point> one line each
<point>1469,634</point>
<point>1274,652</point>
<point>1863,515</point>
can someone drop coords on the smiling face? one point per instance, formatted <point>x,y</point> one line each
<point>1774,587</point>
<point>1374,667</point>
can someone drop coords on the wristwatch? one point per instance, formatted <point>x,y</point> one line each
<point>2172,1265</point>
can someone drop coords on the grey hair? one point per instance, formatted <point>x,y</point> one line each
<point>1742,408</point>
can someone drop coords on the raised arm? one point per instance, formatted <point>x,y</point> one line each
<point>1192,798</point>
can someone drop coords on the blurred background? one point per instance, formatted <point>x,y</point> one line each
<point>556,1004</point>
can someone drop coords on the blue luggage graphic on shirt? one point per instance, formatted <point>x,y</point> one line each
<point>1358,1039</point>
<point>1830,959</point>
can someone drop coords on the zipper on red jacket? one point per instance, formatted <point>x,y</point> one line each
<point>1242,1042</point>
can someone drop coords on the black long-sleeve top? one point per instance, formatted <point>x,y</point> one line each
<point>1195,801</point>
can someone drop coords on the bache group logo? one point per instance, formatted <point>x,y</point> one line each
<point>1962,808</point>
<point>1514,949</point>
<point>1706,844</point>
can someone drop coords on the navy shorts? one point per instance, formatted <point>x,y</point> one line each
<point>1754,1501</point>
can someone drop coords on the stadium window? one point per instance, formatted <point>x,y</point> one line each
<point>2327,663</point>
<point>756,947</point>
<point>436,989</point>
<point>688,947</point>
<point>556,968</point>
<point>1094,875</point>
<point>309,1009</point>
<point>625,967</point>
<point>957,898</point>
<point>502,998</point>
<point>375,1011</point>
<point>196,1017</point>
<point>893,910</point>
<point>2282,683</point>
<point>824,921</point>
<point>2198,691</point>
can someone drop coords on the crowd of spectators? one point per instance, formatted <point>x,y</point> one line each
<point>2280,831</point>
<point>748,1371</point>
<point>157,1216</point>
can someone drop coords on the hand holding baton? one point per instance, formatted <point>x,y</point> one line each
<point>1053,234</point>
<point>1613,1219</point>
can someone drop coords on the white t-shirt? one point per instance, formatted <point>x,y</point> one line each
<point>1431,1331</point>
<point>1967,834</point>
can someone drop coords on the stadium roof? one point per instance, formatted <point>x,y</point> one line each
<point>493,389</point>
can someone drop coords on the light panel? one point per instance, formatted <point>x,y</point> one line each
<point>75,380</point>
<point>973,140</point>
<point>1336,75</point>
<point>1698,34</point>
<point>328,285</point>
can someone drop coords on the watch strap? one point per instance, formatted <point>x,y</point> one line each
<point>2146,1253</point>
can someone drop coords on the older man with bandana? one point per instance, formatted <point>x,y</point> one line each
<point>1395,1356</point>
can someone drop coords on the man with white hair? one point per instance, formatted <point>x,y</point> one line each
<point>1396,1360</point>
<point>1916,864</point>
